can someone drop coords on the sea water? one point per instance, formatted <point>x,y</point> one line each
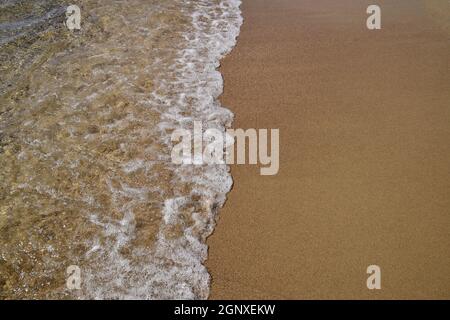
<point>86,177</point>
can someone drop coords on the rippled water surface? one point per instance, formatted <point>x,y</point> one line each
<point>85,123</point>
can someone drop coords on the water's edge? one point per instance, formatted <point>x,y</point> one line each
<point>86,175</point>
<point>236,39</point>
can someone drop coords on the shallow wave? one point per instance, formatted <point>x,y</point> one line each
<point>85,147</point>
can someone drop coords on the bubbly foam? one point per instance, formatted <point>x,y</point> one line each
<point>87,176</point>
<point>175,269</point>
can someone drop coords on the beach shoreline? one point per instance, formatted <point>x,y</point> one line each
<point>364,155</point>
<point>92,203</point>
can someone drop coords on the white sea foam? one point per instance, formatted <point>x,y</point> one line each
<point>88,155</point>
<point>201,81</point>
<point>173,268</point>
<point>188,278</point>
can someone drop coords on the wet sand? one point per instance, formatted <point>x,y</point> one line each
<point>364,119</point>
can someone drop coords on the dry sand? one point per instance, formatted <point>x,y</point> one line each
<point>364,119</point>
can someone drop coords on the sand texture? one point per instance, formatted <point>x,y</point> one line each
<point>364,119</point>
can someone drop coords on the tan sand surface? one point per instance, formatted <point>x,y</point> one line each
<point>364,119</point>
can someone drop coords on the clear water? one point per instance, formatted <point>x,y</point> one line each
<point>85,121</point>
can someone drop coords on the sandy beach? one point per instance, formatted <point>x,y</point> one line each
<point>364,154</point>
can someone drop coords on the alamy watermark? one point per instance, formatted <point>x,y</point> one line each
<point>374,20</point>
<point>73,281</point>
<point>73,15</point>
<point>213,146</point>
<point>374,280</point>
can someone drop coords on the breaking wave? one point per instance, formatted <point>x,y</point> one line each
<point>87,177</point>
